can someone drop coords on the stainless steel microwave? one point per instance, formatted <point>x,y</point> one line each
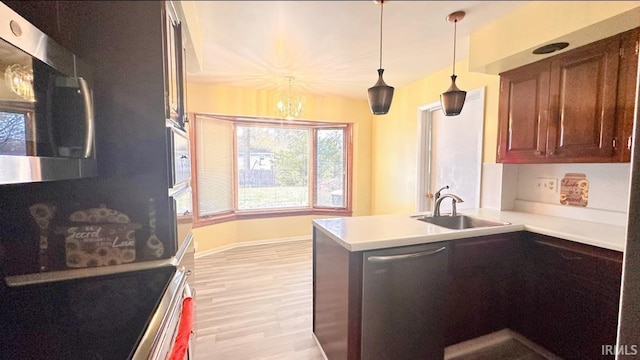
<point>46,107</point>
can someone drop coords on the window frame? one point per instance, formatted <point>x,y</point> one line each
<point>312,209</point>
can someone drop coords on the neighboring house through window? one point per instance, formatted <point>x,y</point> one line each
<point>257,167</point>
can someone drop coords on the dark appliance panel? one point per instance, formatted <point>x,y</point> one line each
<point>92,318</point>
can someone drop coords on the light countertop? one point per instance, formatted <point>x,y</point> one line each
<point>361,233</point>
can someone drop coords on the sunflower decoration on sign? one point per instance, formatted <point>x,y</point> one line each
<point>99,237</point>
<point>574,190</point>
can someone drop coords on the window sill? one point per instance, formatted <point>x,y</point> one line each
<point>222,218</point>
<point>185,219</point>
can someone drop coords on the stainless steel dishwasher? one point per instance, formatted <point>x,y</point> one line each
<point>403,302</point>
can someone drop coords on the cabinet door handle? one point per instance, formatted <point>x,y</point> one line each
<point>569,257</point>
<point>383,259</point>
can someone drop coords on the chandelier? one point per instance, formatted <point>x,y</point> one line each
<point>19,78</point>
<point>289,103</point>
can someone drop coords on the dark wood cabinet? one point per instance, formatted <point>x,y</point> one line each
<point>175,72</point>
<point>482,279</point>
<point>124,44</point>
<point>560,294</point>
<point>570,297</point>
<point>626,93</point>
<point>523,112</point>
<point>569,107</point>
<point>582,103</point>
<point>379,304</point>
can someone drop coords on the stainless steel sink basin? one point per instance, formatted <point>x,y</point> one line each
<point>460,222</point>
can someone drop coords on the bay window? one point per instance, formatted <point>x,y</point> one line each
<point>255,167</point>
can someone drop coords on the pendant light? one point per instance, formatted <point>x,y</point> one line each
<point>380,94</point>
<point>452,100</point>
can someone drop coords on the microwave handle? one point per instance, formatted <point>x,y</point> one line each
<point>88,116</point>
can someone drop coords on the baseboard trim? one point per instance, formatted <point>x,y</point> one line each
<point>476,344</point>
<point>494,338</point>
<point>250,243</point>
<point>324,356</point>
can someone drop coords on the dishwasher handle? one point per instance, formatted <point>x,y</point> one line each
<point>390,258</point>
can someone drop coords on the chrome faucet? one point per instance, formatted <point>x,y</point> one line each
<point>454,200</point>
<point>436,196</point>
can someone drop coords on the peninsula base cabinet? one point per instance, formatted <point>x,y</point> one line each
<point>381,304</point>
<point>482,284</point>
<point>570,298</point>
<point>410,302</point>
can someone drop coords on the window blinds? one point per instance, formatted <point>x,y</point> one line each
<point>214,148</point>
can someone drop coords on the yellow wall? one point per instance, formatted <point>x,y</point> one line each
<point>395,134</point>
<point>507,42</point>
<point>385,154</point>
<point>395,139</point>
<point>205,98</point>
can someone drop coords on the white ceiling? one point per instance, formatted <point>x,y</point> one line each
<point>332,47</point>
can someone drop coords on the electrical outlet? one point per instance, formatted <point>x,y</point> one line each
<point>547,185</point>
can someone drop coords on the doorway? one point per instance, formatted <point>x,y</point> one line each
<point>450,152</point>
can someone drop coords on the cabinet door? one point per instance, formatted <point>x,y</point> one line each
<point>570,301</point>
<point>403,299</point>
<point>583,103</point>
<point>481,284</point>
<point>524,100</point>
<point>174,64</point>
<point>569,320</point>
<point>627,93</point>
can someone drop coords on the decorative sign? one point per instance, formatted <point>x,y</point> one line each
<point>99,237</point>
<point>574,190</point>
<point>100,245</point>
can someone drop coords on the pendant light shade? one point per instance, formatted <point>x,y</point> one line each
<point>380,94</point>
<point>452,100</point>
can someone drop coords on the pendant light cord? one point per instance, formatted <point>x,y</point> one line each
<point>455,27</point>
<point>381,11</point>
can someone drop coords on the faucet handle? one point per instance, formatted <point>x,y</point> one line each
<point>454,211</point>
<point>437,193</point>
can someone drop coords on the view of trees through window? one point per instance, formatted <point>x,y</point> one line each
<point>269,167</point>
<point>12,133</point>
<point>330,169</point>
<point>273,167</point>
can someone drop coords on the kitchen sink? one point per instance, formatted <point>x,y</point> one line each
<point>460,222</point>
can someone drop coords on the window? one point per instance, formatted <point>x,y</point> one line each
<point>249,167</point>
<point>16,128</point>
<point>13,133</point>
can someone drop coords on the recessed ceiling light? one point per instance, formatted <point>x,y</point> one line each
<point>547,49</point>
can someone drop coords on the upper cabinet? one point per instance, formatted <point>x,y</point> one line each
<point>627,91</point>
<point>573,107</point>
<point>175,72</point>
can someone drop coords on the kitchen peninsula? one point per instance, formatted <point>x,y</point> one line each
<point>391,285</point>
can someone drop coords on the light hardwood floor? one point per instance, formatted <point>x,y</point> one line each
<point>255,302</point>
